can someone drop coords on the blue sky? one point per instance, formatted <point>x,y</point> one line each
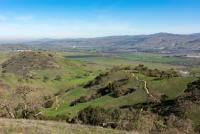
<point>90,18</point>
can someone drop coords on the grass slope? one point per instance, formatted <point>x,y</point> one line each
<point>171,87</point>
<point>71,73</point>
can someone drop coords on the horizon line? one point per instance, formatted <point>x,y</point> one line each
<point>91,37</point>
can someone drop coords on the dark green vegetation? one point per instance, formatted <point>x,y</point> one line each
<point>120,91</point>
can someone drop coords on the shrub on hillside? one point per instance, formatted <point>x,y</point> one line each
<point>82,99</point>
<point>126,119</point>
<point>156,73</point>
<point>122,91</point>
<point>58,78</point>
<point>24,102</point>
<point>193,91</point>
<point>111,118</point>
<point>93,116</point>
<point>45,78</point>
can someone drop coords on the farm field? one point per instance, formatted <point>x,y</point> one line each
<point>151,60</point>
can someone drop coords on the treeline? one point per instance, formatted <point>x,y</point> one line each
<point>156,72</point>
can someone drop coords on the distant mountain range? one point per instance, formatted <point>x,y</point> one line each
<point>155,42</point>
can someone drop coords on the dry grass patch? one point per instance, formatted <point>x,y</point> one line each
<point>8,126</point>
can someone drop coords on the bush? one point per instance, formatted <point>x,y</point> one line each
<point>111,118</point>
<point>45,78</point>
<point>164,98</point>
<point>23,102</point>
<point>197,128</point>
<point>82,99</point>
<point>156,73</point>
<point>121,92</point>
<point>93,116</point>
<point>58,78</point>
<point>48,104</point>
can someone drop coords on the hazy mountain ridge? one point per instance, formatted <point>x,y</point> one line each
<point>157,42</point>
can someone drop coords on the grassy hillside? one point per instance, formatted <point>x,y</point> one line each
<point>69,73</point>
<point>30,74</point>
<point>50,86</point>
<point>171,87</point>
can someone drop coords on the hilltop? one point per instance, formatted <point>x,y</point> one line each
<point>25,62</point>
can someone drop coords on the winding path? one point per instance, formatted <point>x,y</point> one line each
<point>145,86</point>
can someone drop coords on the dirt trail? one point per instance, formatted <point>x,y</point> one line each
<point>145,86</point>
